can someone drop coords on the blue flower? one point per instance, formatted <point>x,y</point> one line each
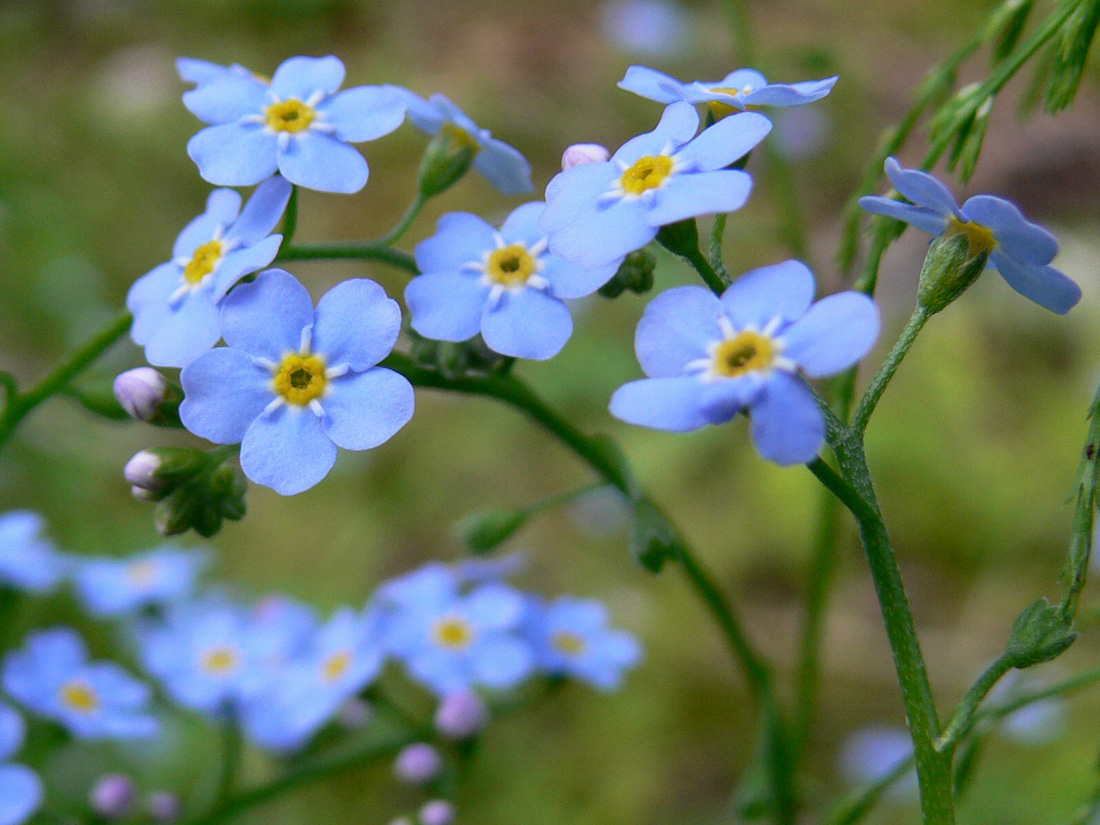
<point>294,384</point>
<point>28,561</point>
<point>175,305</point>
<point>202,72</point>
<point>571,638</point>
<point>115,587</point>
<point>505,285</point>
<point>20,787</point>
<point>598,212</point>
<point>450,640</point>
<point>709,358</point>
<point>1019,249</point>
<point>870,754</point>
<point>51,675</point>
<point>500,164</point>
<point>738,90</point>
<point>298,125</point>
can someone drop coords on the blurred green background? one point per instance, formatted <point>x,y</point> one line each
<point>974,447</point>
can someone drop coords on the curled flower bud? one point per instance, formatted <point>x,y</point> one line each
<point>448,157</point>
<point>112,797</point>
<point>581,153</point>
<point>164,807</point>
<point>437,812</point>
<point>160,470</point>
<point>141,472</point>
<point>418,764</point>
<point>140,391</point>
<point>461,714</point>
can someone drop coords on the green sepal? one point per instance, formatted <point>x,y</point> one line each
<point>203,499</point>
<point>448,157</point>
<point>652,539</point>
<point>483,532</point>
<point>635,273</point>
<point>950,267</point>
<point>1040,633</point>
<point>681,237</point>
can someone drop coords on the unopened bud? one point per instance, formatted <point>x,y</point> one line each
<point>164,807</point>
<point>448,157</point>
<point>140,392</point>
<point>161,469</point>
<point>437,812</point>
<point>484,531</point>
<point>141,472</point>
<point>635,273</point>
<point>418,764</point>
<point>112,797</point>
<point>954,261</point>
<point>461,714</point>
<point>581,153</point>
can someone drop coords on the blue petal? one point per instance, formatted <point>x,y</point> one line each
<point>221,210</point>
<point>455,115</point>
<point>356,324</point>
<point>921,188</point>
<point>527,324</point>
<point>287,450</point>
<point>676,328</point>
<point>300,77</point>
<point>363,410</point>
<point>184,333</point>
<point>446,306</point>
<point>243,261</point>
<point>923,218</point>
<point>603,236</point>
<point>440,670</point>
<point>225,390</point>
<point>200,71</point>
<point>262,212</point>
<point>571,281</point>
<point>1017,236</point>
<point>20,794</point>
<point>652,84</point>
<point>364,113</point>
<point>266,317</point>
<point>699,193</point>
<point>782,290</point>
<point>502,662</point>
<point>721,400</point>
<point>833,335</point>
<point>122,690</point>
<point>148,300</point>
<point>790,94</point>
<point>425,117</point>
<point>727,140</point>
<point>522,226</point>
<point>741,78</point>
<point>234,154</point>
<point>1044,285</point>
<point>12,731</point>
<point>662,403</point>
<point>787,426</point>
<point>460,238</point>
<point>504,167</point>
<point>572,195</point>
<point>227,99</point>
<point>494,607</point>
<point>678,125</point>
<point>318,161</point>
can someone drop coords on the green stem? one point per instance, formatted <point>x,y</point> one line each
<point>878,385</point>
<point>290,218</point>
<point>717,231</point>
<point>19,405</point>
<point>707,272</point>
<point>406,221</point>
<point>857,804</point>
<point>1080,545</point>
<point>963,717</point>
<point>350,250</point>
<point>232,749</point>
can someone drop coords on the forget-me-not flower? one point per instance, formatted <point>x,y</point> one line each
<point>298,125</point>
<point>598,212</point>
<point>28,560</point>
<point>500,164</point>
<point>116,587</point>
<point>294,384</point>
<point>1017,248</point>
<point>739,90</point>
<point>504,284</point>
<point>51,675</point>
<point>20,787</point>
<point>571,638</point>
<point>872,753</point>
<point>202,72</point>
<point>175,304</point>
<point>709,358</point>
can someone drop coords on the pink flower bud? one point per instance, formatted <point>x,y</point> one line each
<point>140,392</point>
<point>164,807</point>
<point>437,812</point>
<point>141,471</point>
<point>112,796</point>
<point>418,764</point>
<point>461,714</point>
<point>581,153</point>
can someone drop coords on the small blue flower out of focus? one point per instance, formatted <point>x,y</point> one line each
<point>738,90</point>
<point>598,212</point>
<point>1019,249</point>
<point>710,358</point>
<point>571,638</point>
<point>294,384</point>
<point>500,164</point>
<point>298,125</point>
<point>202,72</point>
<point>505,285</point>
<point>116,587</point>
<point>51,676</point>
<point>20,787</point>
<point>28,561</point>
<point>872,753</point>
<point>175,305</point>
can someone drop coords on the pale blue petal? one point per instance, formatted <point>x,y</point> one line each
<point>299,77</point>
<point>234,154</point>
<point>572,195</point>
<point>20,794</point>
<point>460,238</point>
<point>56,653</point>
<point>621,648</point>
<point>782,290</point>
<point>603,236</point>
<point>119,688</point>
<point>652,84</point>
<point>1044,285</point>
<point>678,125</point>
<point>790,94</point>
<point>12,731</point>
<point>502,662</point>
<point>222,207</point>
<point>582,615</point>
<point>787,426</point>
<point>243,261</point>
<point>833,335</point>
<point>1017,236</point>
<point>193,70</point>
<point>425,117</point>
<point>741,78</point>
<point>527,324</point>
<point>148,300</point>
<point>455,115</point>
<point>262,212</point>
<point>266,317</point>
<point>727,140</point>
<point>701,193</point>
<point>287,450</point>
<point>227,98</point>
<point>356,324</point>
<point>522,226</point>
<point>363,410</point>
<point>440,670</point>
<point>571,281</point>
<point>923,218</point>
<point>446,306</point>
<point>662,403</point>
<point>319,161</point>
<point>722,400</point>
<point>504,167</point>
<point>364,113</point>
<point>494,607</point>
<point>921,188</point>
<point>184,333</point>
<point>225,390</point>
<point>676,329</point>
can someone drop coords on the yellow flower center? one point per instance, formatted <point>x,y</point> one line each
<point>511,266</point>
<point>204,261</point>
<point>646,173</point>
<point>80,697</point>
<point>746,352</point>
<point>459,138</point>
<point>301,378</point>
<point>569,643</point>
<point>219,661</point>
<point>720,109</point>
<point>336,666</point>
<point>979,237</point>
<point>453,632</point>
<point>290,116</point>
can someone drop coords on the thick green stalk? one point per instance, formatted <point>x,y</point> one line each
<point>350,250</point>
<point>886,372</point>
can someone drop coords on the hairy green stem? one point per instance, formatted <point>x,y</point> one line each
<point>963,717</point>
<point>290,218</point>
<point>886,372</point>
<point>350,250</point>
<point>406,221</point>
<point>1080,545</point>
